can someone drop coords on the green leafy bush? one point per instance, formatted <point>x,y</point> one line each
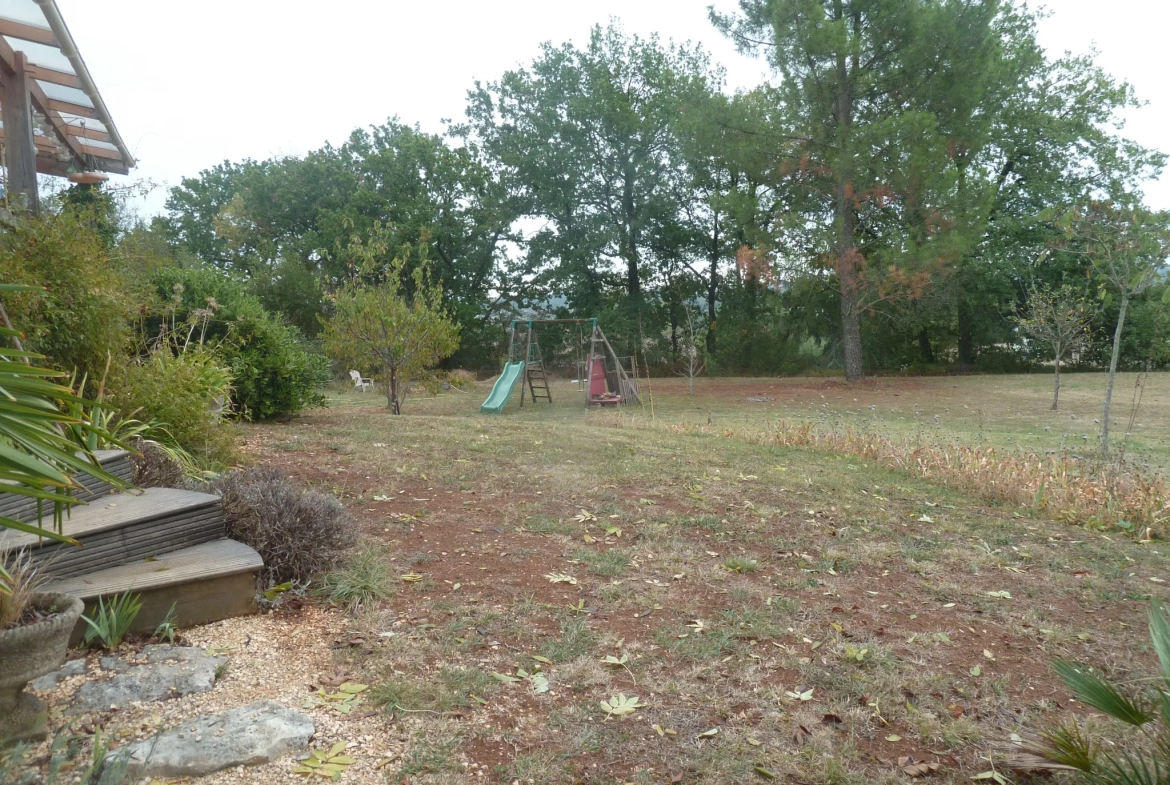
<point>185,393</point>
<point>82,314</point>
<point>273,371</point>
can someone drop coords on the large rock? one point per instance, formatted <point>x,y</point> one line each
<point>169,672</point>
<point>248,736</point>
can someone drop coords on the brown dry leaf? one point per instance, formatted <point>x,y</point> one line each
<point>335,679</point>
<point>801,735</point>
<point>921,769</point>
<point>956,710</point>
<point>833,720</point>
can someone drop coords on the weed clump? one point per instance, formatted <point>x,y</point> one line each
<point>298,532</point>
<point>363,580</point>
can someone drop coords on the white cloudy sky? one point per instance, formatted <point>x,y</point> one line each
<point>191,84</point>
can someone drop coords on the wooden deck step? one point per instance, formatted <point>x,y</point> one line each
<point>207,582</point>
<point>116,462</point>
<point>125,528</point>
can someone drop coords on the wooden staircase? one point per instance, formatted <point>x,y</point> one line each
<point>167,545</point>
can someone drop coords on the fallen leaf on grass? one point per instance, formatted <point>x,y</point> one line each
<point>412,577</point>
<point>620,705</point>
<point>558,577</point>
<point>707,734</point>
<point>914,768</point>
<point>765,773</point>
<point>800,696</point>
<point>833,720</point>
<point>1003,595</point>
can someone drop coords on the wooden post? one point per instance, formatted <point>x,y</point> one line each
<point>20,148</point>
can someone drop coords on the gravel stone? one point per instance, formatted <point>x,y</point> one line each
<point>50,680</point>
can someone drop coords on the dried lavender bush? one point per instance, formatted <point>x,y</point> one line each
<point>297,531</point>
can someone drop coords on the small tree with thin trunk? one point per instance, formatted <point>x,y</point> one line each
<point>1059,319</point>
<point>693,361</point>
<point>1127,247</point>
<point>395,320</point>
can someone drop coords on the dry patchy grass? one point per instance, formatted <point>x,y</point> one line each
<point>810,613</point>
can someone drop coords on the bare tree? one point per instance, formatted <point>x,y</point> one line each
<point>692,355</point>
<point>1059,319</point>
<point>1127,247</point>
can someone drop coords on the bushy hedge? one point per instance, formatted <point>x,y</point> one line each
<point>273,371</point>
<point>185,394</point>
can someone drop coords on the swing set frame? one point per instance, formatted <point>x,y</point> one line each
<point>615,371</point>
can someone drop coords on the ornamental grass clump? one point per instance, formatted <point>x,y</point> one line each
<point>1066,487</point>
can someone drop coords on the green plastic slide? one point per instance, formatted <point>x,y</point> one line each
<point>502,390</point>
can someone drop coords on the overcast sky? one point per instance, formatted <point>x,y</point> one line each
<point>191,84</point>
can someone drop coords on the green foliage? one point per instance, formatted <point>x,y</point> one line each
<point>362,581</point>
<point>1143,704</point>
<point>273,372</point>
<point>385,317</point>
<point>38,458</point>
<point>111,621</point>
<point>167,629</point>
<point>80,316</point>
<point>897,238</point>
<point>186,394</point>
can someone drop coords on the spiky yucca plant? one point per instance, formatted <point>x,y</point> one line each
<point>37,457</point>
<point>1144,705</point>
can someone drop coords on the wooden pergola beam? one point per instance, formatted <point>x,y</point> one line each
<point>38,35</point>
<point>40,73</point>
<point>20,146</point>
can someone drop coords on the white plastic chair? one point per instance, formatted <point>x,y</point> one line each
<point>360,382</point>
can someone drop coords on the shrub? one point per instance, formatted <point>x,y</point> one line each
<point>273,373</point>
<point>155,467</point>
<point>297,531</point>
<point>83,314</point>
<point>185,393</point>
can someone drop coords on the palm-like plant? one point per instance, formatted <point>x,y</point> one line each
<point>1145,706</point>
<point>38,458</point>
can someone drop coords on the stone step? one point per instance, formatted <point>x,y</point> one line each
<point>23,508</point>
<point>125,528</point>
<point>207,582</point>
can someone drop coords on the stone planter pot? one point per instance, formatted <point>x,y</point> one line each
<point>27,652</point>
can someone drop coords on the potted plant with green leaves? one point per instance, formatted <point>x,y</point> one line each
<point>39,458</point>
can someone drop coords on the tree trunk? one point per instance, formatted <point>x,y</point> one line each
<point>924,347</point>
<point>967,352</point>
<point>847,255</point>
<point>712,292</point>
<point>1112,374</point>
<point>392,392</point>
<point>1056,383</point>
